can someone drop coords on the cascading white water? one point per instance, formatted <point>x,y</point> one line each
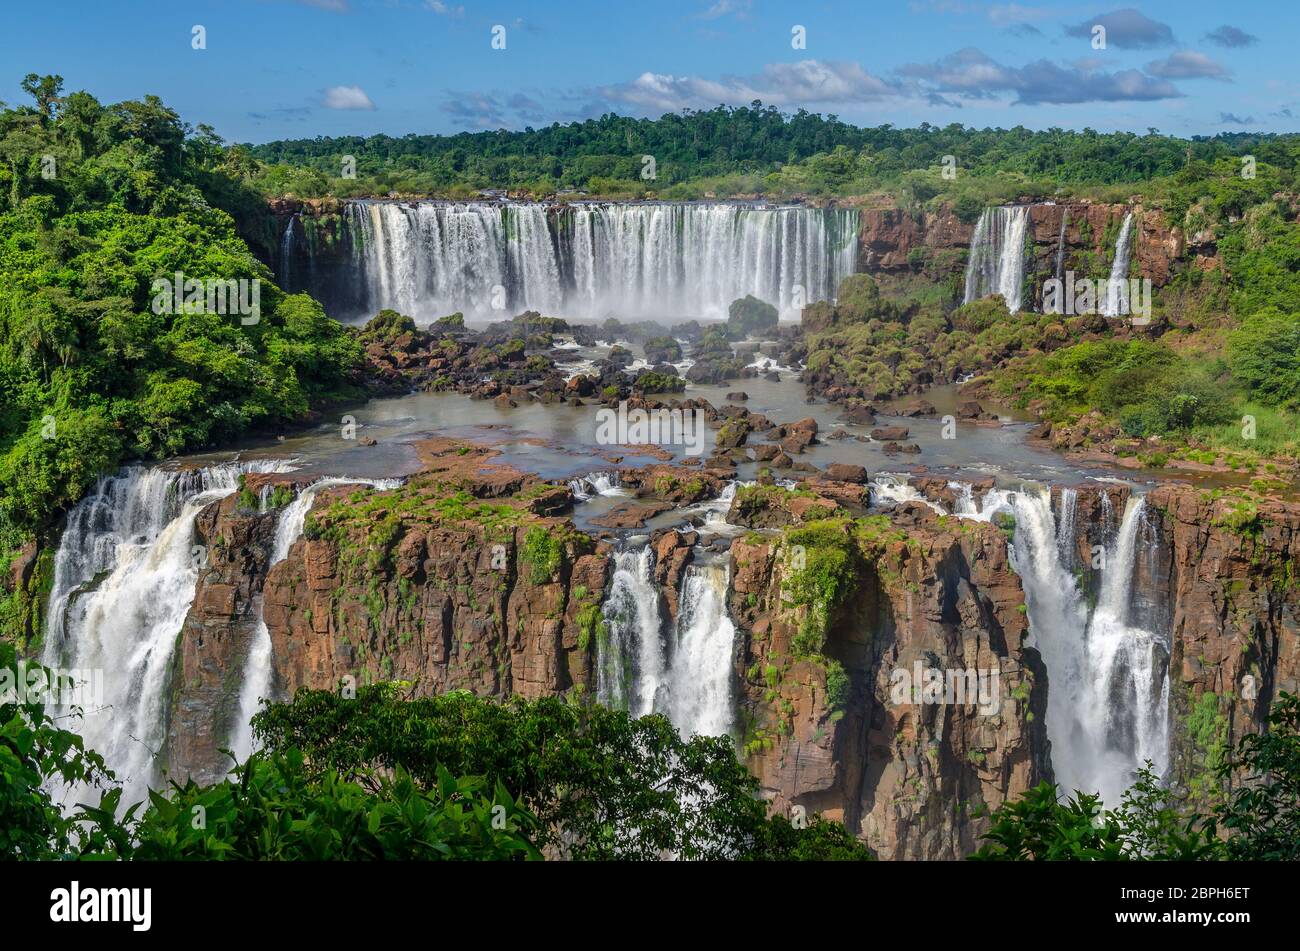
<point>698,695</point>
<point>630,661</point>
<point>715,510</point>
<point>258,668</point>
<point>1108,693</point>
<point>1117,301</point>
<point>997,255</point>
<point>1060,244</point>
<point>1127,697</point>
<point>285,277</point>
<point>687,676</point>
<point>124,578</point>
<point>593,484</point>
<point>648,259</point>
<point>889,490</point>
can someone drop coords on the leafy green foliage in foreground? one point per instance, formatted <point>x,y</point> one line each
<point>380,777</point>
<point>273,809</point>
<point>1260,820</point>
<point>602,784</point>
<point>33,751</point>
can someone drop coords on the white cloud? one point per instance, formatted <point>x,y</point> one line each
<point>973,74</point>
<point>1126,30</point>
<point>1186,64</point>
<point>722,8</point>
<point>446,10</point>
<point>968,71</point>
<point>347,97</point>
<point>779,84</point>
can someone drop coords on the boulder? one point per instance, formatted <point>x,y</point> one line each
<point>846,472</point>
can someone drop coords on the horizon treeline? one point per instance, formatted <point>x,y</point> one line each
<point>746,149</point>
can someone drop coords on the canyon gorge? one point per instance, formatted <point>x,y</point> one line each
<point>491,545</point>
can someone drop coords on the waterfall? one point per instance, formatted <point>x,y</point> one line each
<point>1127,697</point>
<point>699,684</point>
<point>593,484</point>
<point>258,667</point>
<point>1108,690</point>
<point>1117,301</point>
<point>689,676</point>
<point>890,491</point>
<point>715,510</point>
<point>124,578</point>
<point>284,278</point>
<point>1060,243</point>
<point>652,259</point>
<point>1066,517</point>
<point>997,255</point>
<point>630,660</point>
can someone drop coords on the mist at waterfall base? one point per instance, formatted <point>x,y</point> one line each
<point>1108,683</point>
<point>590,260</point>
<point>683,670</point>
<point>124,578</point>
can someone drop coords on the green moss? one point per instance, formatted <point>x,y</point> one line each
<point>543,552</point>
<point>246,499</point>
<point>821,569</point>
<point>591,626</point>
<point>1242,519</point>
<point>837,684</point>
<point>1207,735</point>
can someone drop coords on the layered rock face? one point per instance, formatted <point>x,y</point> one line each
<point>468,578</point>
<point>451,609</point>
<point>907,776</point>
<point>1228,576</point>
<point>895,240</point>
<point>214,643</point>
<point>457,580</point>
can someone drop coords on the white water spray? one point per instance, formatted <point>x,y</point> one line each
<point>585,488</point>
<point>124,578</point>
<point>648,259</point>
<point>699,684</point>
<point>258,668</point>
<point>1117,298</point>
<point>997,255</point>
<point>1108,692</point>
<point>630,662</point>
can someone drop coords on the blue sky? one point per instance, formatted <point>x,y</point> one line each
<point>300,68</point>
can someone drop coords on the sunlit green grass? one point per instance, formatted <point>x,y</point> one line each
<point>1277,432</point>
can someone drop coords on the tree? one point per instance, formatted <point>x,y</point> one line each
<point>1262,815</point>
<point>45,90</point>
<point>33,753</point>
<point>1259,821</point>
<point>273,809</point>
<point>1040,827</point>
<point>1264,353</point>
<point>602,784</point>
